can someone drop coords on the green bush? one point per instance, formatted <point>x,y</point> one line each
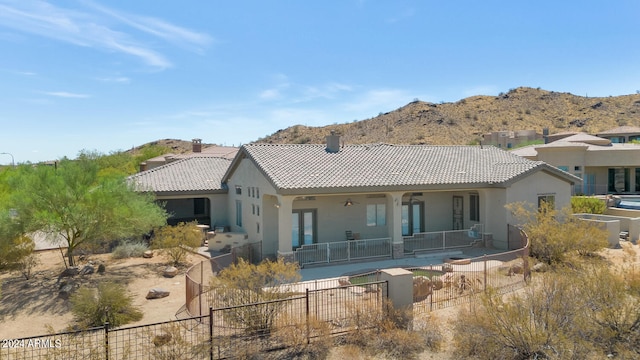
<point>110,302</point>
<point>128,249</point>
<point>588,205</point>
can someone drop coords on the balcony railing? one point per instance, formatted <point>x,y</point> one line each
<point>440,240</point>
<point>343,251</point>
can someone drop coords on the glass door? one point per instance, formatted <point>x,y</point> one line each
<point>412,218</point>
<point>303,228</point>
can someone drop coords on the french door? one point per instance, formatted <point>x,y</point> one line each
<point>303,228</point>
<point>412,219</point>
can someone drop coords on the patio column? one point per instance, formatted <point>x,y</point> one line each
<point>395,226</point>
<point>285,208</point>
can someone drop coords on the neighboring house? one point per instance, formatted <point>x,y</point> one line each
<point>287,196</point>
<point>225,152</point>
<point>622,134</point>
<point>511,139</point>
<point>604,167</point>
<point>190,188</point>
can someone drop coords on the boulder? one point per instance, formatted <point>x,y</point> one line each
<point>87,270</point>
<point>447,267</point>
<point>421,288</point>
<point>65,291</point>
<point>344,281</point>
<point>147,254</point>
<point>170,271</point>
<point>70,271</point>
<point>157,293</point>
<point>540,267</point>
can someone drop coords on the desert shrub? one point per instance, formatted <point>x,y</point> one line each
<point>110,302</point>
<point>246,283</point>
<point>555,233</point>
<point>586,312</point>
<point>175,342</point>
<point>535,324</point>
<point>588,205</point>
<point>384,331</point>
<point>305,339</point>
<point>175,241</point>
<point>128,249</point>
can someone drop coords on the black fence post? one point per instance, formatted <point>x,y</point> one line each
<point>210,332</point>
<point>106,340</point>
<point>484,258</point>
<point>307,317</point>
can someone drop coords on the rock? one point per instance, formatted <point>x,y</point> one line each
<point>540,267</point>
<point>170,271</point>
<point>147,254</point>
<point>157,293</point>
<point>70,271</point>
<point>65,291</point>
<point>516,269</point>
<point>422,288</point>
<point>101,269</point>
<point>447,267</point>
<point>344,281</point>
<point>87,270</point>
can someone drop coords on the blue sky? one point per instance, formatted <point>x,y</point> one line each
<point>109,75</point>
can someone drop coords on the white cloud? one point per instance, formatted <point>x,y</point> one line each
<point>270,94</point>
<point>117,79</point>
<point>92,29</point>
<point>65,94</point>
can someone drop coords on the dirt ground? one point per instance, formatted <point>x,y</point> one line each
<point>27,307</point>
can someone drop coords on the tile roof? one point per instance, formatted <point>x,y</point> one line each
<point>309,166</point>
<point>192,174</point>
<point>621,130</point>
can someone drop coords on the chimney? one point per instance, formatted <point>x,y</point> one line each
<point>197,145</point>
<point>333,142</point>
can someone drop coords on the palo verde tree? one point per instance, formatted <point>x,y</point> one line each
<point>175,241</point>
<point>70,200</point>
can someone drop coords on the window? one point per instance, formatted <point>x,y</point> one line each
<point>258,193</point>
<point>258,210</point>
<point>577,168</point>
<point>474,207</point>
<point>376,214</point>
<point>238,212</point>
<point>238,190</point>
<point>258,228</point>
<point>619,180</point>
<point>563,168</point>
<point>549,199</point>
<point>200,206</point>
<point>253,209</point>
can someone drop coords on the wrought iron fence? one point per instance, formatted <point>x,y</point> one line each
<point>225,333</point>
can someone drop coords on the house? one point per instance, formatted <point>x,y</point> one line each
<point>510,139</point>
<point>225,152</point>
<point>315,198</point>
<point>605,167</point>
<point>622,134</point>
<point>288,196</point>
<point>190,188</point>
